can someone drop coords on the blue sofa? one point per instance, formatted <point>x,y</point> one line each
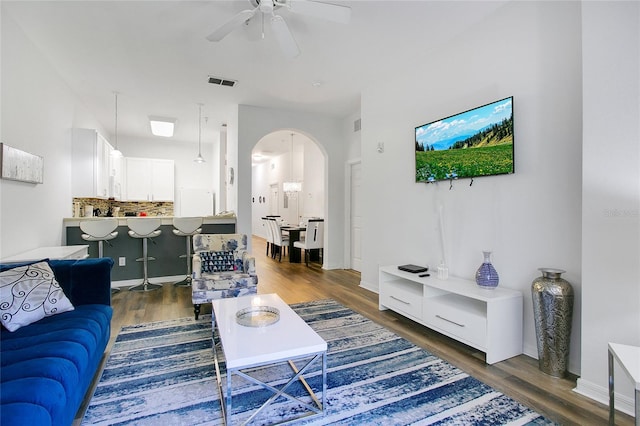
<point>47,367</point>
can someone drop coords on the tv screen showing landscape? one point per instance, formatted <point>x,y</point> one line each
<point>474,143</point>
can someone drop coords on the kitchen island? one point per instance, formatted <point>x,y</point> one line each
<point>166,248</point>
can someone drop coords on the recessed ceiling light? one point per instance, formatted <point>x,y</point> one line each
<point>316,84</point>
<point>162,126</point>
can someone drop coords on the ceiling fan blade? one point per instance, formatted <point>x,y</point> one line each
<point>231,25</point>
<point>331,12</point>
<point>285,38</point>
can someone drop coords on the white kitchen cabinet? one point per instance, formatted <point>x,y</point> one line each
<point>162,180</point>
<point>90,164</point>
<point>148,179</point>
<point>488,320</point>
<point>116,177</point>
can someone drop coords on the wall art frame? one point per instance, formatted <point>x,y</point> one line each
<point>20,166</point>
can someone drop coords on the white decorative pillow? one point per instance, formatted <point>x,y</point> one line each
<point>28,294</point>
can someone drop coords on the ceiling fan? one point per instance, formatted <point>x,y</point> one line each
<point>331,12</point>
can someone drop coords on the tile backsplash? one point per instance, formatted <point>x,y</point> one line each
<point>151,208</point>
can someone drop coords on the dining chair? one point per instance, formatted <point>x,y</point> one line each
<point>280,242</point>
<point>314,239</point>
<point>269,234</point>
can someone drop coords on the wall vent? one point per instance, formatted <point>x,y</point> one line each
<point>357,125</point>
<point>219,81</point>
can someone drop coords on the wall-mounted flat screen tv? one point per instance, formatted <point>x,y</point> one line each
<point>477,142</point>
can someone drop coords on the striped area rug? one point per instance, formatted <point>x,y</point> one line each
<point>162,373</point>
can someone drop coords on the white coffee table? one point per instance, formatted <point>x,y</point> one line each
<point>289,339</point>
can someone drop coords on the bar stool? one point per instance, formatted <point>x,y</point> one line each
<point>100,230</point>
<point>187,227</point>
<point>144,228</point>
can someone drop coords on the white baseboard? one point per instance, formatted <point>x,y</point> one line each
<point>601,394</point>
<point>369,286</point>
<point>330,266</point>
<point>153,280</point>
<point>530,350</point>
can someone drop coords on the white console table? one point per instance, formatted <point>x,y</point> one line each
<point>488,320</point>
<point>629,359</point>
<point>58,252</point>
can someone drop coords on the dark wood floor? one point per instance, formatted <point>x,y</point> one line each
<point>518,377</point>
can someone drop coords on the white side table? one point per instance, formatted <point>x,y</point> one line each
<point>59,252</point>
<point>629,359</point>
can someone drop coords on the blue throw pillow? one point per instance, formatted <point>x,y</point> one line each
<point>217,261</point>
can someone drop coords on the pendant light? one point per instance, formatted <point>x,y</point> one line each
<point>199,158</point>
<point>291,188</point>
<point>116,152</point>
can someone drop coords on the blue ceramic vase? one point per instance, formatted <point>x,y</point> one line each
<point>486,275</point>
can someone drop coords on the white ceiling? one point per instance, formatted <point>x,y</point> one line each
<point>154,53</point>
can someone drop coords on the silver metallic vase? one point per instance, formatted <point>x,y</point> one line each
<point>552,311</point>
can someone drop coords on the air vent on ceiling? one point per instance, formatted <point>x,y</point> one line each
<point>357,125</point>
<point>219,81</point>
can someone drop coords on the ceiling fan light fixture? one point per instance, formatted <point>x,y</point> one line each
<point>291,187</point>
<point>162,126</point>
<point>331,12</point>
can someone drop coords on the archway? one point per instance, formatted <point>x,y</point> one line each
<point>251,125</point>
<point>280,156</point>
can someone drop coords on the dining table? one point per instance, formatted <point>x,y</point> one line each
<point>294,235</point>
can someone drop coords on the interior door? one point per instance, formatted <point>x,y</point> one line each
<point>356,217</point>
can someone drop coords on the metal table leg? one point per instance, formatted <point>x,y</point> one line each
<point>612,408</point>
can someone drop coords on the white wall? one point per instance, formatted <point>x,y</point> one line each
<point>352,137</point>
<point>531,219</point>
<point>218,170</point>
<point>243,180</point>
<point>272,172</point>
<point>312,197</point>
<point>353,144</point>
<point>39,111</point>
<point>254,123</point>
<point>611,191</point>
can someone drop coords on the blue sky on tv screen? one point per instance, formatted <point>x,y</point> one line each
<point>442,134</point>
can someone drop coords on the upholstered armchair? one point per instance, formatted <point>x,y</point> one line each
<point>222,268</point>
